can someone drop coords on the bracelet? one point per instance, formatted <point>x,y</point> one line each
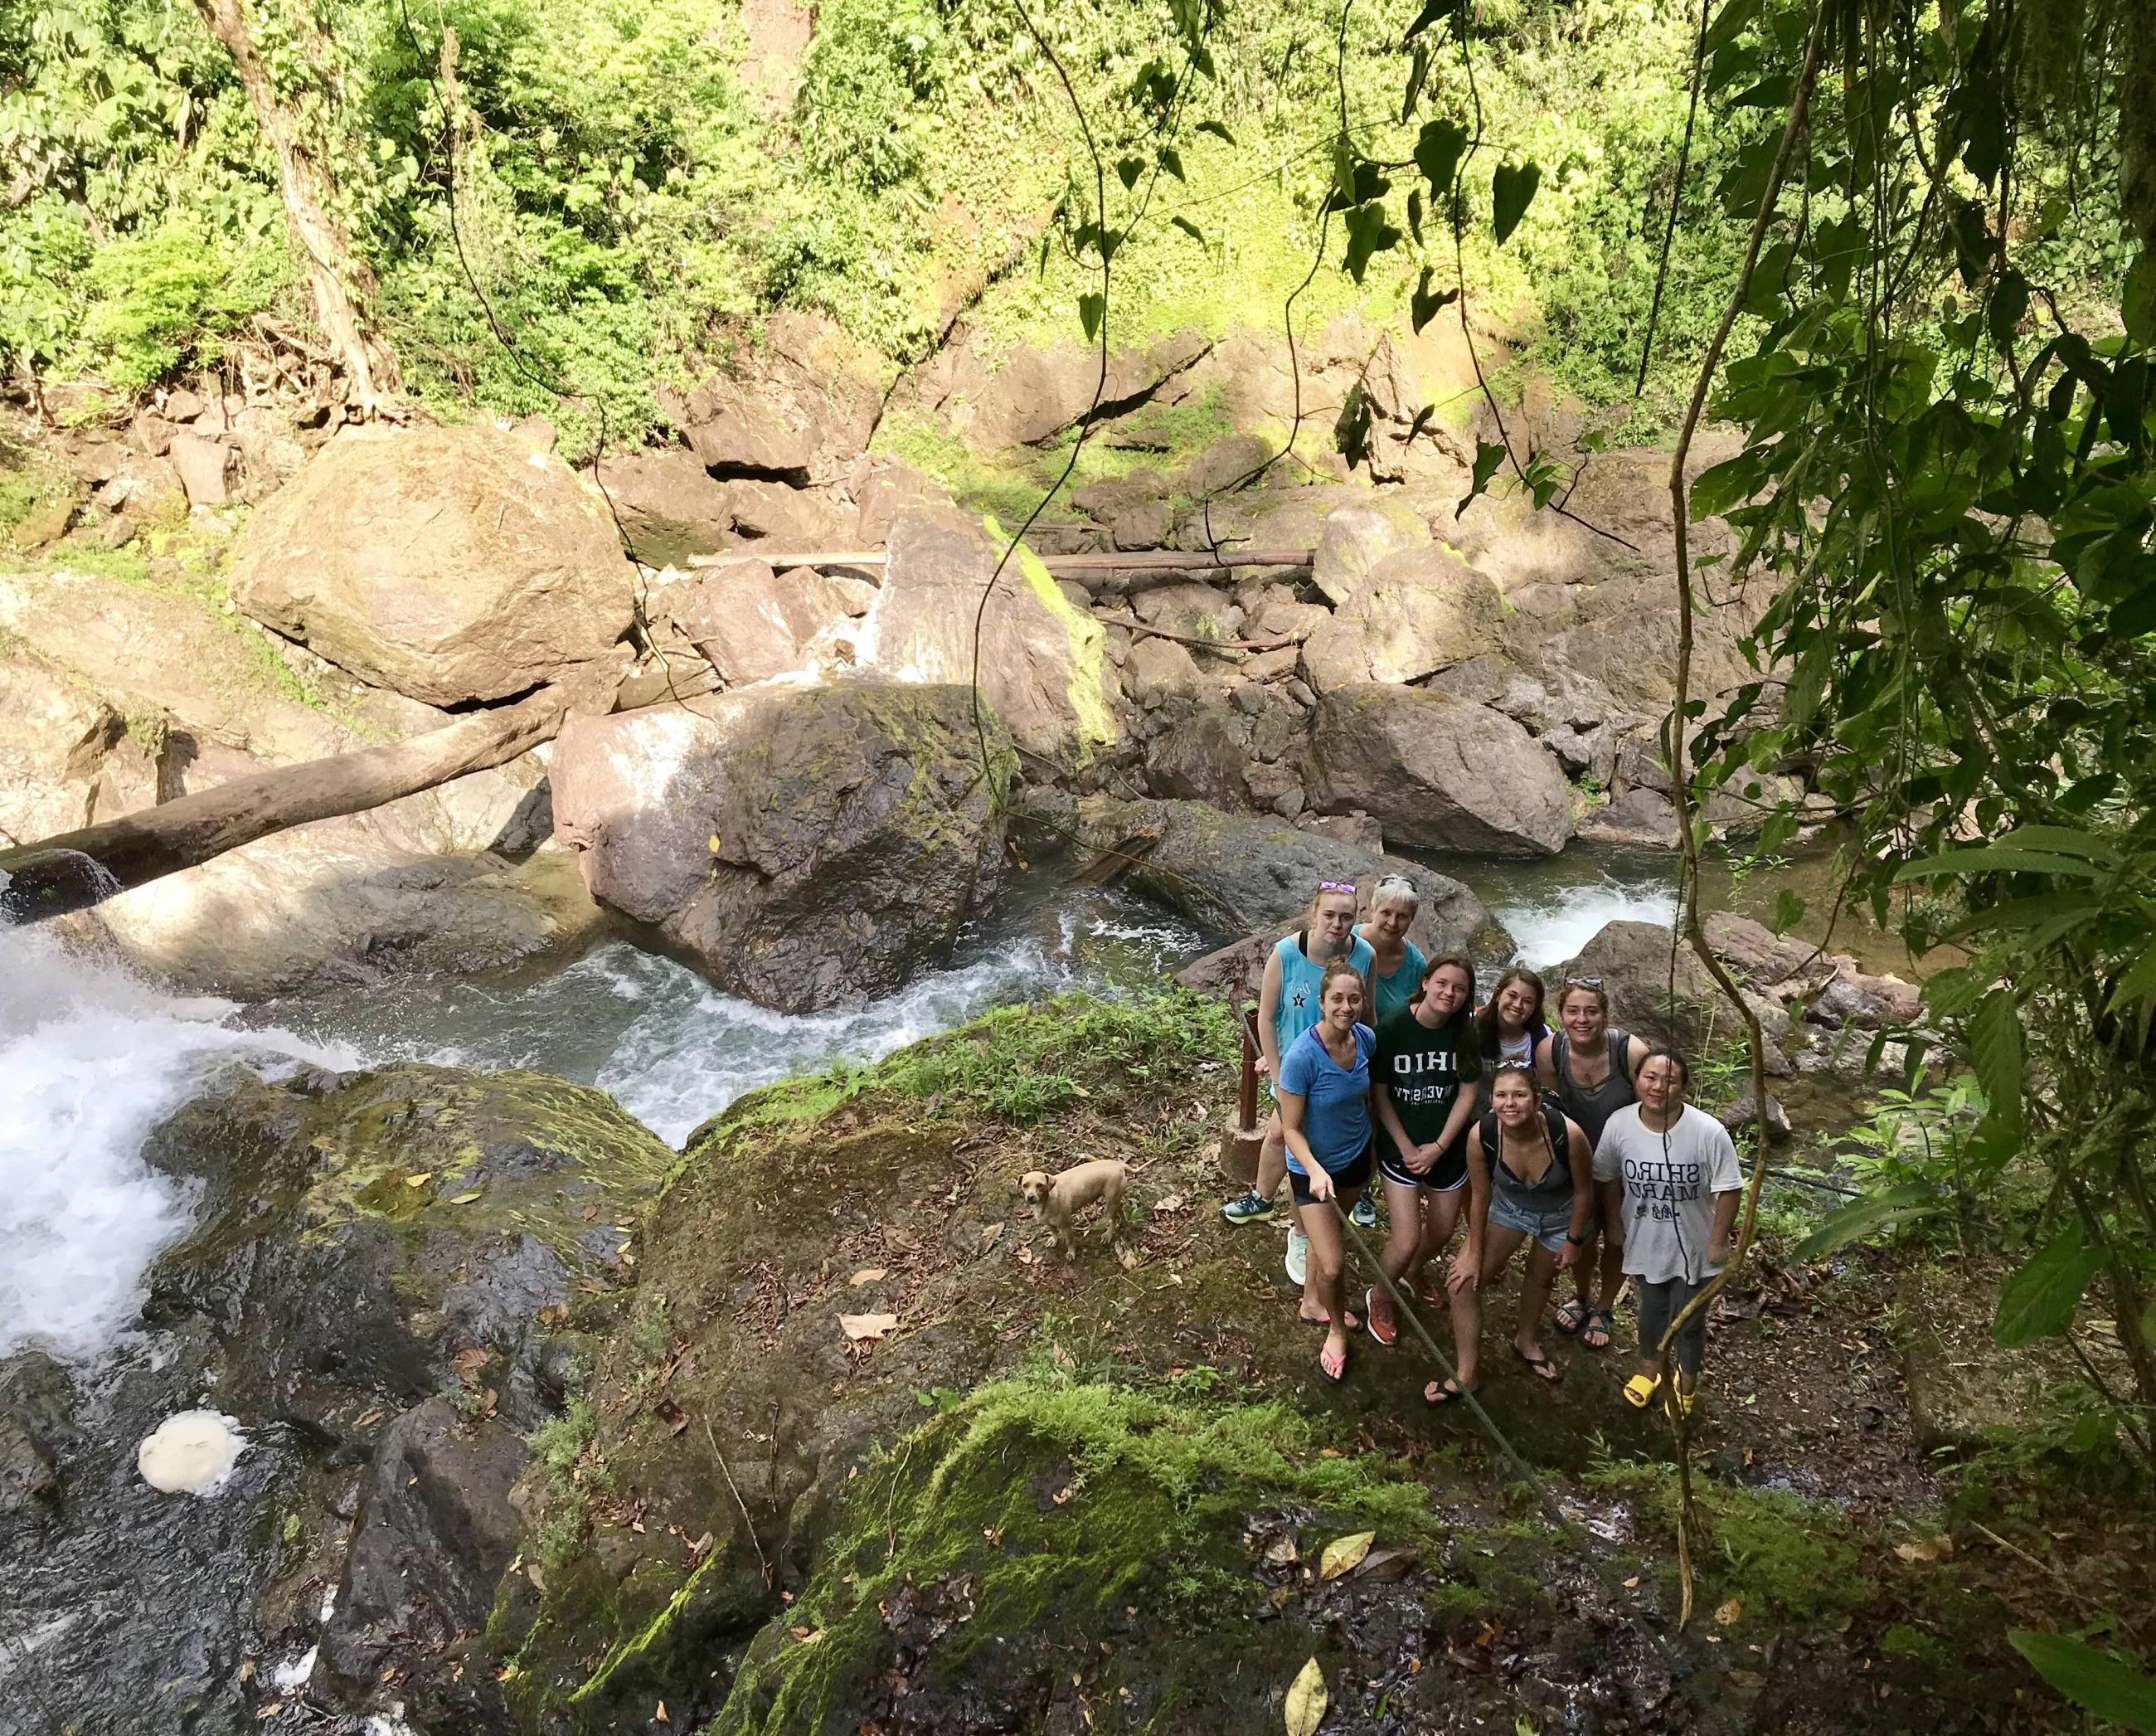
<point>1577,1241</point>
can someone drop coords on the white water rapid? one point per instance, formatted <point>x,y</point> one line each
<point>91,1058</point>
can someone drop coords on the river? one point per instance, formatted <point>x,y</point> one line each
<point>94,1056</point>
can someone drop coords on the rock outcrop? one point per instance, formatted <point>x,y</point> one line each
<point>1043,665</point>
<point>809,846</point>
<point>451,565</point>
<point>1438,772</point>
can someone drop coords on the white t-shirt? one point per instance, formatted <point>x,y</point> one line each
<point>1669,1182</point>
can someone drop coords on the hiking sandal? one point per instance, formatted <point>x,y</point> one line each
<point>1573,1317</point>
<point>1597,1320</point>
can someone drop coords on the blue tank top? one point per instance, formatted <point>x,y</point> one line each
<point>1300,976</point>
<point>1400,989</point>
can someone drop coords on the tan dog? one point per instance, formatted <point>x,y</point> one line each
<point>1060,1198</point>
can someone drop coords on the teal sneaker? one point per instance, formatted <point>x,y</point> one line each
<point>1296,1259</point>
<point>1365,1214</point>
<point>1251,1207</point>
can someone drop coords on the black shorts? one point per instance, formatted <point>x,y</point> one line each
<point>1448,1175</point>
<point>1351,1178</point>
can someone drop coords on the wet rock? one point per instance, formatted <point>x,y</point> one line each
<point>361,1232</point>
<point>1639,817</point>
<point>810,846</point>
<point>434,1533</point>
<point>1205,757</point>
<point>1741,1111</point>
<point>1659,989</point>
<point>1043,665</point>
<point>1355,538</point>
<point>1237,875</point>
<point>29,1479</point>
<point>441,563</point>
<point>1436,771</point>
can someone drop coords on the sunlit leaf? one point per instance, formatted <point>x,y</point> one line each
<point>1488,455</point>
<point>1090,307</point>
<point>1219,130</point>
<point>1343,1554</point>
<point>1511,191</point>
<point>1170,159</point>
<point>1307,1697</point>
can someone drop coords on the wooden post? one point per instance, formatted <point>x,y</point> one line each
<point>1240,1150</point>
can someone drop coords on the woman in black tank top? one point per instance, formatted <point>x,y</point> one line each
<point>1590,1067</point>
<point>1529,1181</point>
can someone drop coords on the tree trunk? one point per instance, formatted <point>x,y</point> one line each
<point>79,869</point>
<point>343,285</point>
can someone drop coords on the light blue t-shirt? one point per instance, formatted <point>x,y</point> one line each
<point>1300,977</point>
<point>1335,1112</point>
<point>1398,989</point>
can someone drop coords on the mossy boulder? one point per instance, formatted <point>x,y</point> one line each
<point>810,847</point>
<point>361,1232</point>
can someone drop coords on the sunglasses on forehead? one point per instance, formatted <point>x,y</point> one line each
<point>1335,886</point>
<point>1583,982</point>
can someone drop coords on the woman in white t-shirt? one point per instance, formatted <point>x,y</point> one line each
<point>1682,1185</point>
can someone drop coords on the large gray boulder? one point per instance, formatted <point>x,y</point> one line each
<point>451,564</point>
<point>1043,665</point>
<point>57,753</point>
<point>1437,773</point>
<point>752,623</point>
<point>1237,875</point>
<point>810,846</point>
<point>1419,610</point>
<point>1357,538</point>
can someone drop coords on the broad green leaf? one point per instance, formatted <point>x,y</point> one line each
<point>1789,911</point>
<point>1869,1214</point>
<point>1437,152</point>
<point>1994,1053</point>
<point>1090,307</point>
<point>1999,858</point>
<point>1219,130</point>
<point>2094,1681</point>
<point>1416,73</point>
<point>1368,234</point>
<point>1189,228</point>
<point>2137,304</point>
<point>1170,159</point>
<point>1488,455</point>
<point>1511,191</point>
<point>1127,172</point>
<point>1422,420</point>
<point>2038,1302</point>
<point>1427,303</point>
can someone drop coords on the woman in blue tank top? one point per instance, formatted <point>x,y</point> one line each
<point>1287,1007</point>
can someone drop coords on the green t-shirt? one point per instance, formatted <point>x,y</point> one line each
<point>1424,1069</point>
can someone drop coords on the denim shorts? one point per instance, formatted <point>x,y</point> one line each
<point>1549,1227</point>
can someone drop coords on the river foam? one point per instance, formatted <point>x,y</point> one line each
<point>92,1058</point>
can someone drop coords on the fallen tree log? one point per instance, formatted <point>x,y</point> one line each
<point>76,869</point>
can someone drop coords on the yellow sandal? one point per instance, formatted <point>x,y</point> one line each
<point>1641,1390</point>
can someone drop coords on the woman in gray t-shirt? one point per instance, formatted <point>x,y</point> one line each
<point>1682,1185</point>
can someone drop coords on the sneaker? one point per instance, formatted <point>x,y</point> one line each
<point>1365,1215</point>
<point>1298,1256</point>
<point>1251,1207</point>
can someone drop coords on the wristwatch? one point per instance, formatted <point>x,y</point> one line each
<point>1577,1241</point>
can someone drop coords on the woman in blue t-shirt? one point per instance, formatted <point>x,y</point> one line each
<point>1324,1095</point>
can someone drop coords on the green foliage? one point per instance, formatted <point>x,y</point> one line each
<point>2093,1680</point>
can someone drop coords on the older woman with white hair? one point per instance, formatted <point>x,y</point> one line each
<point>1396,963</point>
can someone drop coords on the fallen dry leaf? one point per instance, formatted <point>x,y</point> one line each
<point>467,1198</point>
<point>1025,1256</point>
<point>806,1635</point>
<point>1730,1614</point>
<point>1127,1259</point>
<point>866,1328</point>
<point>420,1180</point>
<point>1384,1566</point>
<point>1343,1552</point>
<point>1307,1697</point>
<point>868,1275</point>
<point>989,1236</point>
<point>659,1717</point>
<point>1283,1553</point>
<point>1168,1202</point>
<point>1926,1548</point>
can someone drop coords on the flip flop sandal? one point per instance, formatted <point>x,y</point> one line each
<point>1322,1321</point>
<point>1598,1320</point>
<point>1445,1392</point>
<point>1544,1369</point>
<point>1572,1317</point>
<point>1684,1401</point>
<point>1641,1390</point>
<point>1388,1336</point>
<point>1336,1369</point>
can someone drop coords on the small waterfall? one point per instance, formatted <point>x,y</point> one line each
<point>1550,923</point>
<point>94,1058</point>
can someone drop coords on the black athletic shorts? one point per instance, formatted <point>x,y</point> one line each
<point>1351,1178</point>
<point>1448,1173</point>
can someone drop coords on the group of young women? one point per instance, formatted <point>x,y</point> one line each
<point>1575,1141</point>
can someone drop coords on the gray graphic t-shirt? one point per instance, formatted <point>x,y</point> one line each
<point>1671,1180</point>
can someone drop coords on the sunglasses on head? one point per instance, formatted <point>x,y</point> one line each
<point>1583,982</point>
<point>1335,886</point>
